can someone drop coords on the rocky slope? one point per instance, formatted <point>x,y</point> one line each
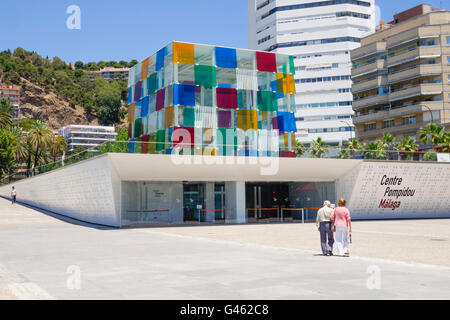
<point>36,103</point>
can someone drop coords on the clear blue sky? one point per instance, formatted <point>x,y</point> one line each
<point>134,29</point>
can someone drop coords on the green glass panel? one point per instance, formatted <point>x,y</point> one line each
<point>188,117</point>
<point>267,101</point>
<point>138,147</point>
<point>152,83</point>
<point>205,76</point>
<point>291,65</point>
<point>152,143</point>
<point>137,127</point>
<point>160,139</point>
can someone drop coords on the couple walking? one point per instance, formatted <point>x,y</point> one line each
<point>336,220</point>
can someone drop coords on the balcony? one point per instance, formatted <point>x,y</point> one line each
<point>417,90</point>
<point>415,72</point>
<point>418,107</point>
<point>373,67</point>
<point>367,85</point>
<point>368,50</point>
<point>371,101</point>
<point>418,52</point>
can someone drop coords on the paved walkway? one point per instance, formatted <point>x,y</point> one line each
<point>42,257</point>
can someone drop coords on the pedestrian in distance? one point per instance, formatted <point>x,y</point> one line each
<point>13,195</point>
<point>342,225</point>
<point>323,224</point>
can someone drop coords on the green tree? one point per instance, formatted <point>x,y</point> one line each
<point>58,147</point>
<point>431,155</point>
<point>318,148</point>
<point>40,138</point>
<point>445,144</point>
<point>409,145</point>
<point>79,65</point>
<point>7,149</point>
<point>299,149</point>
<point>6,110</point>
<point>375,150</point>
<point>435,131</point>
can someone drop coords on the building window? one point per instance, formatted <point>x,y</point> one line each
<point>370,126</point>
<point>448,60</point>
<point>389,123</point>
<point>408,120</point>
<point>448,41</point>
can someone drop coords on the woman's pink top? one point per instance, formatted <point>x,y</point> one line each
<point>341,216</point>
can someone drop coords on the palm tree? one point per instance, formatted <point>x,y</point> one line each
<point>445,144</point>
<point>299,149</point>
<point>58,147</point>
<point>40,137</point>
<point>388,140</point>
<point>436,132</point>
<point>5,114</point>
<point>375,150</point>
<point>318,148</point>
<point>409,145</point>
<point>352,147</point>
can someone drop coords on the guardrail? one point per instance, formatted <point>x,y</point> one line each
<point>172,148</point>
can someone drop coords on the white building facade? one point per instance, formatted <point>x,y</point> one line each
<point>320,34</point>
<point>86,136</point>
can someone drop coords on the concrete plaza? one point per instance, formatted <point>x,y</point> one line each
<point>43,257</point>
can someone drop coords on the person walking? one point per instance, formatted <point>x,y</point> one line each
<point>13,195</point>
<point>342,225</point>
<point>323,224</point>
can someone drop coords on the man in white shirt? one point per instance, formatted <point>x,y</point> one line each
<point>323,224</point>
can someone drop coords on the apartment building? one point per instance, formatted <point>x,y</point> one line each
<point>401,75</point>
<point>12,94</point>
<point>110,73</point>
<point>320,35</point>
<point>86,136</point>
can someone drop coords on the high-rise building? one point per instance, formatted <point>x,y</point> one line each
<point>86,136</point>
<point>12,94</point>
<point>401,75</point>
<point>209,100</point>
<point>320,34</point>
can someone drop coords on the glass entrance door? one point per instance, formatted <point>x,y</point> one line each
<point>219,203</point>
<point>265,200</point>
<point>193,202</point>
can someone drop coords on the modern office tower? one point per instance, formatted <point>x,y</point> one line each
<point>320,34</point>
<point>401,75</point>
<point>209,100</point>
<point>12,94</point>
<point>86,136</point>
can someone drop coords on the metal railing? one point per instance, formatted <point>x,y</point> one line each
<point>171,148</point>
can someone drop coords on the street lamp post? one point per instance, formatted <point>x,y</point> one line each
<point>346,122</point>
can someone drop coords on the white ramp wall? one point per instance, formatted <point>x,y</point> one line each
<point>390,190</point>
<point>82,191</point>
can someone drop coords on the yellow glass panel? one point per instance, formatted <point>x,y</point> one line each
<point>183,53</point>
<point>290,84</point>
<point>144,68</point>
<point>286,139</point>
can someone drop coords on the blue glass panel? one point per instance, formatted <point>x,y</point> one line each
<point>184,94</point>
<point>226,58</point>
<point>160,58</point>
<point>144,106</point>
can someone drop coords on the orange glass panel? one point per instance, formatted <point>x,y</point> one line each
<point>144,70</point>
<point>169,118</point>
<point>131,112</point>
<point>183,53</point>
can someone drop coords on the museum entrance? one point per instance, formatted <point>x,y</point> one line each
<point>193,201</point>
<point>265,201</point>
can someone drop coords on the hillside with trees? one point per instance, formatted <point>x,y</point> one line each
<point>62,94</point>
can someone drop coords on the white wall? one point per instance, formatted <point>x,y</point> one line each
<point>82,191</point>
<point>364,192</point>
